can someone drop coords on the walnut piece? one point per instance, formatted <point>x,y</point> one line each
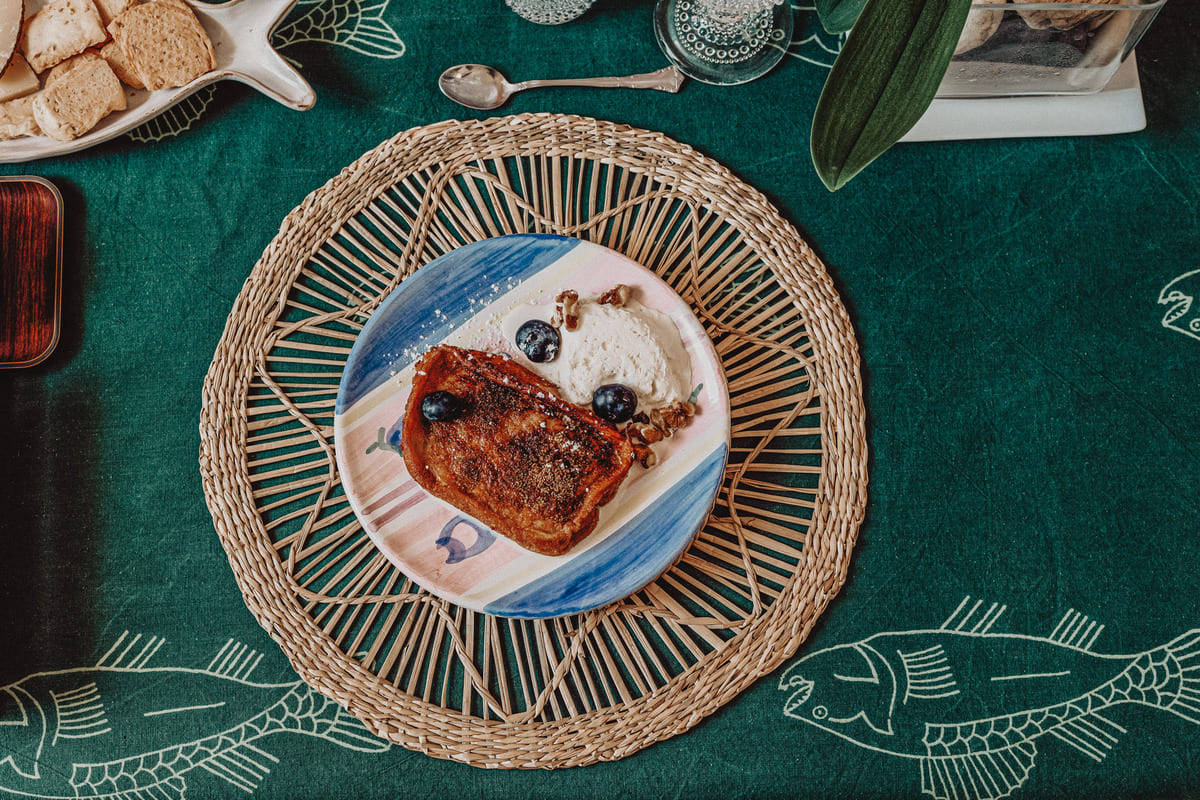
<point>566,310</point>
<point>646,429</point>
<point>617,296</point>
<point>645,432</point>
<point>644,455</point>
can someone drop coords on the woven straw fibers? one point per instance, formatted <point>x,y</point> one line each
<point>494,692</point>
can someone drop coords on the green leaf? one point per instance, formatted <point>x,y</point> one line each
<point>882,82</point>
<point>837,16</point>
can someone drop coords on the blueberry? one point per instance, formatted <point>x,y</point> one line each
<point>538,340</point>
<point>614,402</point>
<point>441,406</point>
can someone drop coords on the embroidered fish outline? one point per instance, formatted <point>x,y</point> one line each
<point>97,732</point>
<point>356,25</point>
<point>816,46</point>
<point>1183,314</point>
<point>970,704</point>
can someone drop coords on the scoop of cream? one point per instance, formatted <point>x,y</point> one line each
<point>631,344</point>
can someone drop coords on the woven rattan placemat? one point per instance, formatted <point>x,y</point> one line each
<point>496,692</point>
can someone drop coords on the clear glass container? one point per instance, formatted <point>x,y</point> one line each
<point>1026,48</point>
<point>723,42</point>
<point>550,12</point>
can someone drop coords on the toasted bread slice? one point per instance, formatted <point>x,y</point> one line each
<point>115,56</point>
<point>518,458</point>
<point>62,29</point>
<point>163,42</point>
<point>109,9</point>
<point>78,94</point>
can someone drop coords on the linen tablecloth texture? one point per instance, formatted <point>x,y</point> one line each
<point>1032,422</point>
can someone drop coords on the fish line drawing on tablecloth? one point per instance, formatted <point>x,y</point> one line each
<point>811,43</point>
<point>970,704</point>
<point>357,25</point>
<point>1183,313</point>
<point>125,730</point>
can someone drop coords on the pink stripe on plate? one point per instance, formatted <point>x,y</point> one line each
<point>394,511</point>
<point>380,502</point>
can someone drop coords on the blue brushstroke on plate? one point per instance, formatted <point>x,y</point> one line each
<point>458,284</point>
<point>632,556</point>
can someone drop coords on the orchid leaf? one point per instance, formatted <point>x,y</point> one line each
<point>883,80</point>
<point>838,16</point>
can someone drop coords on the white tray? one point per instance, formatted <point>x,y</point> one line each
<point>1115,109</point>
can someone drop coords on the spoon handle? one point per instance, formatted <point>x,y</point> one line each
<point>668,79</point>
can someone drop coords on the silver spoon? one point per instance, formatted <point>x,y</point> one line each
<point>484,88</point>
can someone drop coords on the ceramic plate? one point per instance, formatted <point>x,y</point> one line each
<point>465,298</point>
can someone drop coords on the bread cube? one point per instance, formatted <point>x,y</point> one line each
<point>62,29</point>
<point>16,118</point>
<point>77,96</point>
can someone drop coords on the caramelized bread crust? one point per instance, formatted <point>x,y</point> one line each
<point>519,458</point>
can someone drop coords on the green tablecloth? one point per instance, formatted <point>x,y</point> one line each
<point>1033,424</point>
